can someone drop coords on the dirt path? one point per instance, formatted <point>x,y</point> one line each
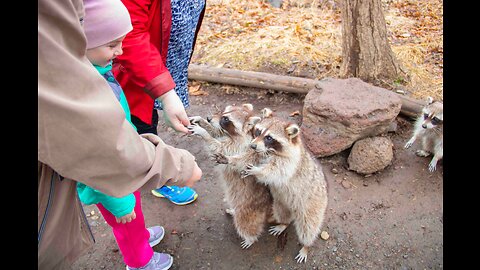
<point>390,220</point>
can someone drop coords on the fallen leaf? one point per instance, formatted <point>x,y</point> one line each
<point>195,90</point>
<point>295,113</point>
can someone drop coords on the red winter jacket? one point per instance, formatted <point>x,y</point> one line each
<point>141,70</point>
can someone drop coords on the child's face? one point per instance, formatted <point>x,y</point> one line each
<point>102,55</point>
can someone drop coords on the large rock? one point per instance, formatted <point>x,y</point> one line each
<point>370,155</point>
<point>339,112</point>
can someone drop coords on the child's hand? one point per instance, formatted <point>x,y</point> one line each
<point>126,218</point>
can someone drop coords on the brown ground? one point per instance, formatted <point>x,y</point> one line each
<point>390,220</point>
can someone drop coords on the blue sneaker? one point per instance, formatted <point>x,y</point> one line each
<point>177,195</point>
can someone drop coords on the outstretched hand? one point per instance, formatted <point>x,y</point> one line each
<point>127,218</point>
<point>174,112</point>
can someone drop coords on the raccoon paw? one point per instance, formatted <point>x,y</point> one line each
<point>408,144</point>
<point>220,158</point>
<point>194,120</point>
<point>247,243</point>
<point>422,153</point>
<point>244,173</point>
<point>277,229</point>
<point>302,255</point>
<point>197,130</point>
<point>248,171</point>
<point>230,211</point>
<point>432,166</point>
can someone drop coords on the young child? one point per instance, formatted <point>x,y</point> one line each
<point>106,23</point>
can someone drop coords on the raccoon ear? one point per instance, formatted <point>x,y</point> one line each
<point>248,106</point>
<point>266,113</point>
<point>429,100</point>
<point>292,130</point>
<point>253,120</point>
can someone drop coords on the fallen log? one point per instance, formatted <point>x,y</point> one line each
<point>410,106</point>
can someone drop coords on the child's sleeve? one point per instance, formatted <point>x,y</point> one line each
<point>119,207</point>
<point>141,58</point>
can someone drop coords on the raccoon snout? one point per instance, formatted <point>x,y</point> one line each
<point>209,119</point>
<point>253,146</point>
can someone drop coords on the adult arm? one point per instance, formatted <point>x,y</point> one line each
<point>83,133</point>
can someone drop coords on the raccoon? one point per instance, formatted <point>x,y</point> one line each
<point>278,158</point>
<point>429,128</point>
<point>250,203</point>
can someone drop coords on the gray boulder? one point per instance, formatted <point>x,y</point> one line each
<point>370,155</point>
<point>339,112</point>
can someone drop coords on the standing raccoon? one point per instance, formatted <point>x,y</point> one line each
<point>429,128</point>
<point>250,203</point>
<point>279,159</point>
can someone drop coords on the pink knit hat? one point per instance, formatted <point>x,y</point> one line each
<point>105,21</point>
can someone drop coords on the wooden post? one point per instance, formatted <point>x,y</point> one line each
<point>410,106</point>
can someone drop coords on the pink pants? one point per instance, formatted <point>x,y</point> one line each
<point>132,237</point>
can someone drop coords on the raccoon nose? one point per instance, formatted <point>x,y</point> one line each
<point>253,146</point>
<point>424,126</point>
<point>209,119</point>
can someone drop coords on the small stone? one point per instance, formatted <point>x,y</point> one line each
<point>324,235</point>
<point>346,184</point>
<point>94,217</point>
<point>335,171</point>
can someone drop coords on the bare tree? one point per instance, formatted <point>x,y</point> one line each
<point>366,52</point>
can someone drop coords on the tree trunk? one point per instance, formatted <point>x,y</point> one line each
<point>366,52</point>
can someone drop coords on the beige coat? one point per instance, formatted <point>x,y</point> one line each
<point>83,135</point>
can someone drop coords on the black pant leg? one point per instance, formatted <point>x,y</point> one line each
<point>142,127</point>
